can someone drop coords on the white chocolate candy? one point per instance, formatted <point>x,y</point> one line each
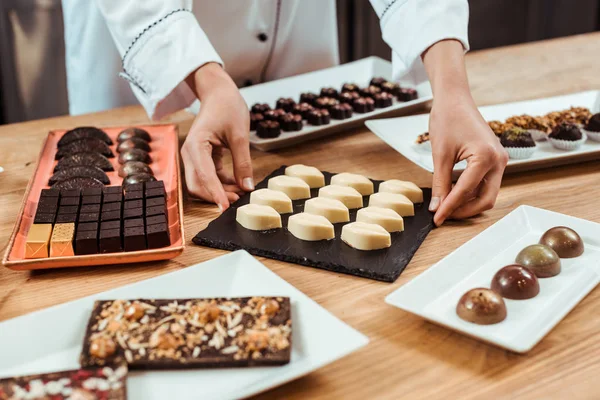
<point>363,185</point>
<point>295,188</point>
<point>364,236</point>
<point>310,227</point>
<point>312,176</point>
<point>272,198</point>
<point>397,202</point>
<point>347,195</point>
<point>409,189</point>
<point>387,218</point>
<point>334,210</point>
<point>257,217</point>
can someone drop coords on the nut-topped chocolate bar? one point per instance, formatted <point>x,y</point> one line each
<point>176,333</point>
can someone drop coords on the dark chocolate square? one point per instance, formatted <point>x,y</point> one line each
<point>134,187</point>
<point>90,208</point>
<point>113,190</point>
<point>91,200</point>
<point>113,198</point>
<point>110,241</point>
<point>47,208</point>
<point>157,219</point>
<point>87,226</point>
<point>158,210</point>
<point>69,201</point>
<point>106,225</point>
<point>44,218</point>
<point>134,238</point>
<point>133,213</point>
<point>134,222</point>
<point>50,193</point>
<point>134,195</point>
<point>110,216</point>
<point>89,217</point>
<point>48,201</point>
<point>111,206</point>
<point>68,210</point>
<point>157,236</point>
<point>93,191</point>
<point>86,242</point>
<point>70,193</point>
<point>155,185</point>
<point>66,218</point>
<point>156,192</point>
<point>133,204</point>
<point>156,201</point>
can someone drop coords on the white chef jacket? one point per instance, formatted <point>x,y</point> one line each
<point>156,44</point>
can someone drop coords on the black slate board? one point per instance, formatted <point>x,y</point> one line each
<point>333,255</point>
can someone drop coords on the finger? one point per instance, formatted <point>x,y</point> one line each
<point>485,200</point>
<point>233,189</point>
<point>242,163</point>
<point>465,186</point>
<point>225,176</point>
<point>442,180</point>
<point>233,197</point>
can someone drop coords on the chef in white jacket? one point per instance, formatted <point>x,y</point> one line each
<point>169,53</point>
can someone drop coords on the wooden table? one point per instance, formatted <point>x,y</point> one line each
<point>407,357</point>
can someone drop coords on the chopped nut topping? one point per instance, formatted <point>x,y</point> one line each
<point>135,312</point>
<point>102,347</point>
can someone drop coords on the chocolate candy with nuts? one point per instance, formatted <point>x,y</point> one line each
<point>145,333</point>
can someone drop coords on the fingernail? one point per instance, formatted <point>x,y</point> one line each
<point>220,208</point>
<point>434,204</point>
<point>248,183</point>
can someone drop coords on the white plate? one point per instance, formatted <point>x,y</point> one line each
<point>401,133</point>
<point>359,72</point>
<point>434,294</point>
<point>50,339</point>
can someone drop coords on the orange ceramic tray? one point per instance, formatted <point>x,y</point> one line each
<point>165,164</point>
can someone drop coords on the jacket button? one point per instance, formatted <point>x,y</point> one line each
<point>262,37</point>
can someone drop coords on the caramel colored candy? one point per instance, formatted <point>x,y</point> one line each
<point>481,306</point>
<point>38,238</point>
<point>135,312</point>
<point>102,347</point>
<point>541,259</point>
<point>61,242</point>
<point>564,241</point>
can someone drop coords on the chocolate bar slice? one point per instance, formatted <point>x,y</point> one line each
<point>86,242</point>
<point>92,191</point>
<point>113,198</point>
<point>134,237</point>
<point>157,219</point>
<point>133,213</point>
<point>87,226</point>
<point>111,215</point>
<point>96,383</point>
<point>134,222</point>
<point>110,240</point>
<point>156,201</point>
<point>89,217</point>
<point>185,333</point>
<point>50,193</point>
<point>129,195</point>
<point>66,218</point>
<point>113,190</point>
<point>91,199</point>
<point>155,185</point>
<point>156,192</point>
<point>134,187</point>
<point>133,204</point>
<point>157,236</point>
<point>111,206</point>
<point>157,210</point>
<point>91,208</point>
<point>43,218</point>
<point>70,193</point>
<point>68,210</point>
<point>69,201</point>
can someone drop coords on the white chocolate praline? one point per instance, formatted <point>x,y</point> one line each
<point>409,189</point>
<point>311,175</point>
<point>295,188</point>
<point>365,236</point>
<point>362,184</point>
<point>397,202</point>
<point>387,218</point>
<point>257,217</point>
<point>334,210</point>
<point>272,198</point>
<point>347,195</point>
<point>310,227</point>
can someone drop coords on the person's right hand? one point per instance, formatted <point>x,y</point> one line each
<point>222,123</point>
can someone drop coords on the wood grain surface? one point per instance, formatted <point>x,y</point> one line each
<point>407,357</point>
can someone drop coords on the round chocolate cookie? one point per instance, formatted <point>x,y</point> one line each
<point>406,94</point>
<point>377,81</point>
<point>133,143</point>
<point>329,92</point>
<point>133,133</point>
<point>566,131</point>
<point>516,137</point>
<point>348,97</point>
<point>309,98</point>
<point>383,100</point>
<point>350,87</point>
<point>326,102</point>
<point>138,178</point>
<point>78,182</point>
<point>291,122</point>
<point>255,118</point>
<point>260,108</point>
<point>285,103</point>
<point>134,155</point>
<point>363,105</point>
<point>133,168</point>
<point>81,171</point>
<point>341,111</point>
<point>83,133</point>
<point>302,109</point>
<point>369,91</point>
<point>92,145</point>
<point>274,115</point>
<point>268,129</point>
<point>85,159</point>
<point>318,117</point>
<point>593,124</point>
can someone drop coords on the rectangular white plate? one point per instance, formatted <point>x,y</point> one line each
<point>401,133</point>
<point>434,294</point>
<point>50,339</point>
<point>359,72</point>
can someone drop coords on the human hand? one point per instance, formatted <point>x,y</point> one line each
<point>222,123</point>
<point>458,132</point>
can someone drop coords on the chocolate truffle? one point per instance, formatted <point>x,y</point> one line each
<point>133,143</point>
<point>134,155</point>
<point>407,94</point>
<point>541,259</point>
<point>515,282</point>
<point>260,108</point>
<point>302,109</point>
<point>255,118</point>
<point>285,103</point>
<point>341,111</point>
<point>273,115</point>
<point>481,306</point>
<point>383,100</point>
<point>348,97</point>
<point>350,87</point>
<point>138,178</point>
<point>309,98</point>
<point>133,133</point>
<point>329,92</point>
<point>566,131</point>
<point>134,167</point>
<point>318,117</point>
<point>391,87</point>
<point>291,122</point>
<point>268,129</point>
<point>377,81</point>
<point>326,102</point>
<point>363,105</point>
<point>516,137</point>
<point>564,241</point>
<point>593,124</point>
<point>369,91</point>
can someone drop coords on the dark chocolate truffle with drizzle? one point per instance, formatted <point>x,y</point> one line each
<point>363,105</point>
<point>268,129</point>
<point>285,103</point>
<point>291,122</point>
<point>566,131</point>
<point>302,109</point>
<point>407,94</point>
<point>369,91</point>
<point>329,92</point>
<point>350,87</point>
<point>341,111</point>
<point>383,100</point>
<point>260,108</point>
<point>318,117</point>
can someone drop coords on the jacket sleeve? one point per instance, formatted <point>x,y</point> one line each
<point>410,27</point>
<point>161,43</point>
